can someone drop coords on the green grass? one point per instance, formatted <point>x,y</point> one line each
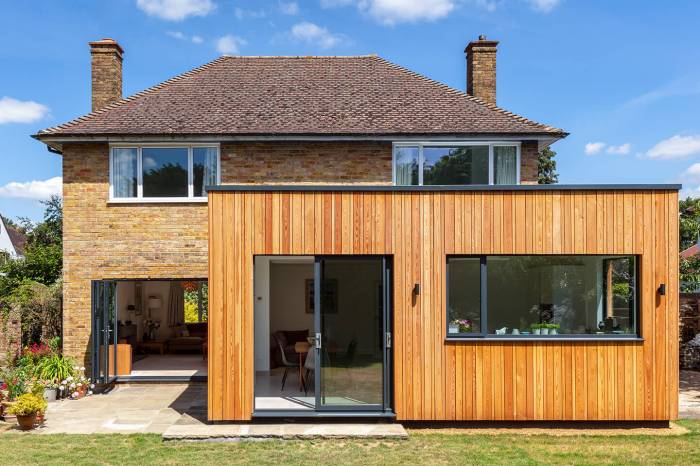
<point>419,449</point>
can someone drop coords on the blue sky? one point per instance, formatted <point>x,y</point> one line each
<point>622,77</point>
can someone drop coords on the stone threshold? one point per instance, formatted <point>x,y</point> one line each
<point>292,431</point>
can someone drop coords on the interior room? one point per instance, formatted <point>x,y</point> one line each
<point>351,365</point>
<point>162,329</point>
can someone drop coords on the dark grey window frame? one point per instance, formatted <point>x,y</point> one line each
<point>484,335</point>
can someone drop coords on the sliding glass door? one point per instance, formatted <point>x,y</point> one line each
<point>353,334</point>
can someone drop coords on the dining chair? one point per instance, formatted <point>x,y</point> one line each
<point>285,362</point>
<point>310,366</point>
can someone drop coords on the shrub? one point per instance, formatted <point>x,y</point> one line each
<point>55,368</point>
<point>28,404</point>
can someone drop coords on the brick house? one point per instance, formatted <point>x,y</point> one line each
<point>330,235</point>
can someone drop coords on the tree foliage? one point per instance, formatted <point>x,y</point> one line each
<point>689,221</point>
<point>547,167</point>
<point>32,285</point>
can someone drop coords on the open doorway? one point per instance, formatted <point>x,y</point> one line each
<point>157,329</point>
<point>322,334</point>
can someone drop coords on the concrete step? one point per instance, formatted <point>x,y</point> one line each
<point>292,431</point>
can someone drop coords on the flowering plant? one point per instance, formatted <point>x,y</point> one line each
<point>77,386</point>
<point>465,325</point>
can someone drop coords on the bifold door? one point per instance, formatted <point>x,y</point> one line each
<point>104,334</point>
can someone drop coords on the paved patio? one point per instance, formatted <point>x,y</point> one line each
<point>180,409</point>
<point>127,409</point>
<point>689,402</point>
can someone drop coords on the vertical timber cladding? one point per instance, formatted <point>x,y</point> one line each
<point>439,380</point>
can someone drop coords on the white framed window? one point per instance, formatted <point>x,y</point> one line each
<point>456,163</point>
<point>162,172</point>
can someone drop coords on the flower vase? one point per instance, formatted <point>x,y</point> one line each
<point>453,328</point>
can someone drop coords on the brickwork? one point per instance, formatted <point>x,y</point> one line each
<point>106,57</point>
<point>159,241</point>
<point>481,70</point>
<point>528,162</point>
<point>10,336</point>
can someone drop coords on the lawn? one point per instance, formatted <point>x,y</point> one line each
<point>419,449</point>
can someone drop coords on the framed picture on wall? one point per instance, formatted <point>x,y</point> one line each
<point>329,296</point>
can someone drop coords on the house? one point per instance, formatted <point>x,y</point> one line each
<point>12,241</point>
<point>341,236</point>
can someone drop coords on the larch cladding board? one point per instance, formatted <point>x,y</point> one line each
<point>435,379</point>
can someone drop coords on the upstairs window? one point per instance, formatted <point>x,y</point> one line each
<point>162,174</point>
<point>456,164</point>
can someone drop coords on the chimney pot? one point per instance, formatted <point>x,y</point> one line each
<point>481,69</point>
<point>107,59</point>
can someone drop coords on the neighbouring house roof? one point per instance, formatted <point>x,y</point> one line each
<point>694,250</point>
<point>17,239</point>
<point>355,96</point>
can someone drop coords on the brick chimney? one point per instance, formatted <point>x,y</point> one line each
<point>106,72</point>
<point>481,69</point>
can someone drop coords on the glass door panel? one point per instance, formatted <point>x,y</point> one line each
<point>351,333</point>
<point>104,335</point>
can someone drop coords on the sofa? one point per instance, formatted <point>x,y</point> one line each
<point>189,338</point>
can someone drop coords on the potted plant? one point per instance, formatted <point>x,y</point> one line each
<point>55,367</point>
<point>536,329</point>
<point>26,408</point>
<point>553,329</point>
<point>460,326</point>
<point>79,386</point>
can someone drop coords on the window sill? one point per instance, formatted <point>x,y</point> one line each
<point>160,200</point>
<point>521,338</point>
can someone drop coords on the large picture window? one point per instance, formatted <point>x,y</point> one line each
<point>542,296</point>
<point>456,164</point>
<point>162,174</point>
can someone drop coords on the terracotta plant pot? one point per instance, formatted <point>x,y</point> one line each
<point>26,422</point>
<point>40,419</point>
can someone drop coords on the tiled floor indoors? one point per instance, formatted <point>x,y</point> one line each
<point>169,365</point>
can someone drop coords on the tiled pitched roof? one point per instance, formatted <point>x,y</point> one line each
<point>362,95</point>
<point>18,239</point>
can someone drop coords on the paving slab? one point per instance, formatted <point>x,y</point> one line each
<point>294,431</point>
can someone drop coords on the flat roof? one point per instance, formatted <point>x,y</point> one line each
<point>391,188</point>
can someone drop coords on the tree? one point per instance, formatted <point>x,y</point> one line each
<point>32,285</point>
<point>547,167</point>
<point>689,232</point>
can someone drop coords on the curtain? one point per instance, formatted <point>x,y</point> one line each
<point>176,305</point>
<point>204,162</point>
<point>504,164</point>
<point>406,166</point>
<point>124,172</point>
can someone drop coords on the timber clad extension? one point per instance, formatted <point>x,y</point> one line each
<point>436,379</point>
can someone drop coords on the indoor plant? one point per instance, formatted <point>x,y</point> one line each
<point>553,329</point>
<point>460,326</point>
<point>536,329</point>
<point>26,408</point>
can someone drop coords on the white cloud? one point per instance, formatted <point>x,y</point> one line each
<point>391,12</point>
<point>33,189</point>
<point>675,147</point>
<point>314,34</point>
<point>289,8</point>
<point>176,10</point>
<point>240,14</point>
<point>230,44</point>
<point>180,36</point>
<point>21,111</point>
<point>622,149</point>
<point>593,148</point>
<point>545,6</point>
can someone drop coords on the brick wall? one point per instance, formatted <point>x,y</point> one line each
<point>10,336</point>
<point>528,162</point>
<point>161,241</point>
